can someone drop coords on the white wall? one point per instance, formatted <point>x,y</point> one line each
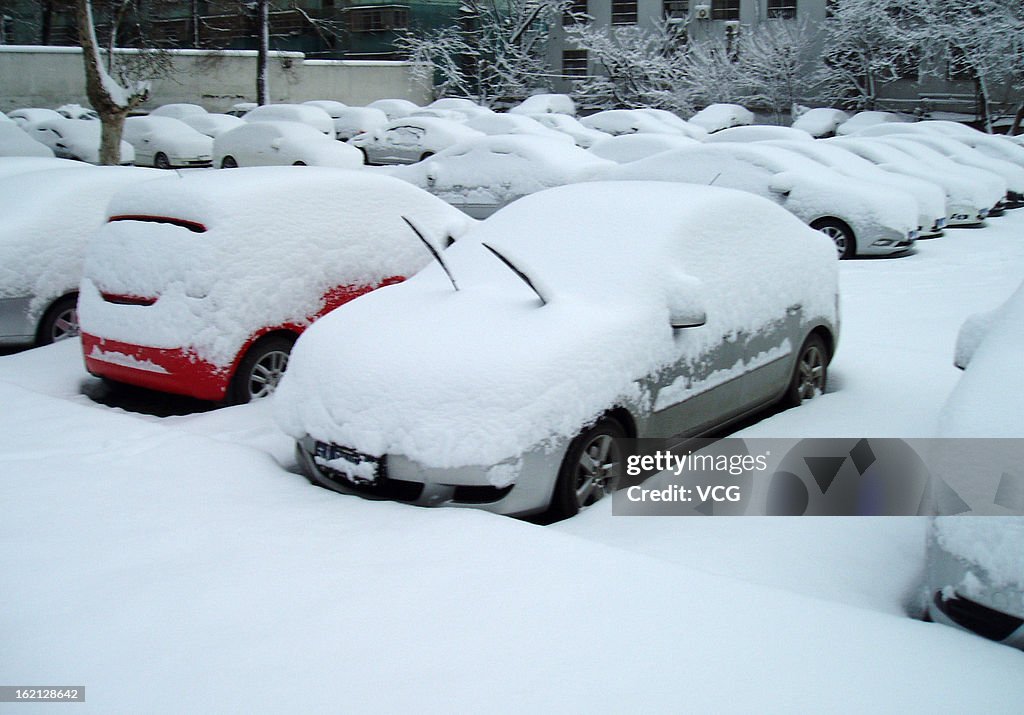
<point>33,76</point>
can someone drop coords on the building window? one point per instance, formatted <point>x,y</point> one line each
<point>624,12</point>
<point>676,9</point>
<point>725,9</point>
<point>574,63</point>
<point>376,19</point>
<point>783,9</point>
<point>575,12</point>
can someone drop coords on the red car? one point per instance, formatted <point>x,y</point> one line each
<point>199,285</point>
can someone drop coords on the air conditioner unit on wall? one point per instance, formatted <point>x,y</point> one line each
<point>702,12</point>
<point>732,26</point>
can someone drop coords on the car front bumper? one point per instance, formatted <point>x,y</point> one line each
<point>174,370</point>
<point>516,488</point>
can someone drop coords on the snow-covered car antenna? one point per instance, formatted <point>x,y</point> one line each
<point>525,278</point>
<point>433,252</point>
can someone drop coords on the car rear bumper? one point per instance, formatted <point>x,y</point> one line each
<point>15,326</point>
<point>174,370</point>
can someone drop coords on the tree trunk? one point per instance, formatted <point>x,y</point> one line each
<point>110,138</point>
<point>263,32</point>
<point>1018,119</point>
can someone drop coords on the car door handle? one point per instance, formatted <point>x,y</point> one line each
<point>794,309</point>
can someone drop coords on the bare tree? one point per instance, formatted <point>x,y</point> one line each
<point>777,64</point>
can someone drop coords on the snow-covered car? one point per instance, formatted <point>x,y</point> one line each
<point>352,121</point>
<point>240,109</point>
<point>28,116</point>
<point>459,104</point>
<point>626,121</point>
<point>411,139</point>
<point>199,285</point>
<point>545,104</point>
<point>267,143</point>
<point>77,111</point>
<point>674,121</point>
<point>166,143</point>
<point>625,148</point>
<point>869,118</point>
<point>494,124</point>
<point>306,114</point>
<point>212,124</point>
<point>820,121</point>
<point>332,106</point>
<point>758,133</point>
<point>975,575</point>
<point>582,136</point>
<point>716,117</point>
<point>583,314</point>
<point>930,198</point>
<point>481,175</point>
<point>49,213</point>
<point>178,110</point>
<point>74,139</point>
<point>14,141</point>
<point>966,204</point>
<point>12,165</point>
<point>860,218</point>
<point>394,108</point>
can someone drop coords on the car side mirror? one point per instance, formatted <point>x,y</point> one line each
<point>275,144</point>
<point>781,184</point>
<point>692,318</point>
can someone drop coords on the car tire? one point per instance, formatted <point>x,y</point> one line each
<point>228,162</point>
<point>841,235</point>
<point>426,155</point>
<point>298,163</point>
<point>60,321</point>
<point>366,157</point>
<point>592,467</point>
<point>810,374</point>
<point>160,161</point>
<point>260,370</point>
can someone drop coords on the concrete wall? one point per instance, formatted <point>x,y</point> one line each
<point>34,76</point>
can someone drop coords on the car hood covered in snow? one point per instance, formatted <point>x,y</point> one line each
<point>475,376</point>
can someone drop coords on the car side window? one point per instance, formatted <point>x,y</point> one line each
<point>405,135</point>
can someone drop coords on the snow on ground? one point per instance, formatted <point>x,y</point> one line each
<point>180,565</point>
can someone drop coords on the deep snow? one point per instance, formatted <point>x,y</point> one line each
<point>180,565</point>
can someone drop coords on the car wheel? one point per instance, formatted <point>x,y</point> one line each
<point>59,322</point>
<point>160,161</point>
<point>592,467</point>
<point>366,157</point>
<point>840,234</point>
<point>298,163</point>
<point>260,370</point>
<point>426,155</point>
<point>228,162</point>
<point>810,374</point>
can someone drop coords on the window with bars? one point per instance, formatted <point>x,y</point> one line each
<point>375,19</point>
<point>676,9</point>
<point>575,12</point>
<point>783,9</point>
<point>725,9</point>
<point>624,12</point>
<point>574,63</point>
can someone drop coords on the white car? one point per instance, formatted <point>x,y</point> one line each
<point>459,104</point>
<point>14,141</point>
<point>820,121</point>
<point>930,198</point>
<point>267,143</point>
<point>49,213</point>
<point>481,175</point>
<point>716,117</point>
<point>178,110</point>
<point>627,121</point>
<point>625,148</point>
<point>212,124</point>
<point>494,124</point>
<point>966,205</point>
<point>572,318</point>
<point>676,122</point>
<point>758,133</point>
<point>583,136</point>
<point>28,116</point>
<point>411,139</point>
<point>863,120</point>
<point>300,113</point>
<point>546,104</point>
<point>352,121</point>
<point>77,111</point>
<point>394,108</point>
<point>860,218</point>
<point>75,139</point>
<point>167,143</point>
<point>331,106</point>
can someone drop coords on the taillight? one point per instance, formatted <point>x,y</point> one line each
<point>193,226</point>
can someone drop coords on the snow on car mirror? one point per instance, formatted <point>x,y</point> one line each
<point>781,183</point>
<point>685,302</point>
<point>685,319</point>
<point>276,144</point>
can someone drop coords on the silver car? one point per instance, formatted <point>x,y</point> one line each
<point>503,377</point>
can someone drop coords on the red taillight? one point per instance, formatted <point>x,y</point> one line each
<point>127,299</point>
<point>193,226</point>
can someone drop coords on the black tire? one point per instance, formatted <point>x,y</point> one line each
<point>298,163</point>
<point>60,321</point>
<point>260,370</point>
<point>366,157</point>
<point>426,155</point>
<point>160,161</point>
<point>593,467</point>
<point>810,374</point>
<point>841,235</point>
<point>228,162</point>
